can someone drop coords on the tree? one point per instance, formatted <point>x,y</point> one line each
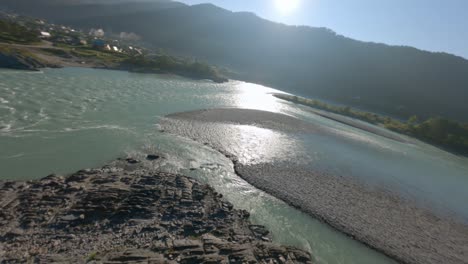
<point>413,120</point>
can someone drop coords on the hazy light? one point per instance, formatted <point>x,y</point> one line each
<point>254,96</point>
<point>286,7</point>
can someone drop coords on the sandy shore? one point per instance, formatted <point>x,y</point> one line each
<point>377,217</point>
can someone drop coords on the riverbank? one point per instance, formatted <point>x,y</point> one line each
<point>361,125</point>
<point>21,59</point>
<point>446,134</point>
<point>376,216</point>
<point>34,57</point>
<point>122,212</point>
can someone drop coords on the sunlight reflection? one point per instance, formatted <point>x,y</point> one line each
<point>254,96</point>
<point>259,144</point>
<point>250,144</point>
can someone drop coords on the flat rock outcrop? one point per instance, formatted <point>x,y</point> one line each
<point>124,213</point>
<point>19,61</point>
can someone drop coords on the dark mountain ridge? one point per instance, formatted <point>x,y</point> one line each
<point>59,10</point>
<point>312,62</point>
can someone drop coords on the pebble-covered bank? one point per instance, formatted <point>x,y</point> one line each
<point>375,215</point>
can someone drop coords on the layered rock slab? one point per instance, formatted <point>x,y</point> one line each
<point>125,213</point>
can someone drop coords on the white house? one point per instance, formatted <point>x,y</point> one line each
<point>45,34</point>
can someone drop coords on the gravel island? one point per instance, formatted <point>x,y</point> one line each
<point>381,218</point>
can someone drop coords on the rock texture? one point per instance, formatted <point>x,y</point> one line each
<point>124,213</point>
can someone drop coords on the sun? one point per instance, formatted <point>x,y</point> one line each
<point>286,7</point>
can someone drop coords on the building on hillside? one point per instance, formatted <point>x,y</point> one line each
<point>45,34</point>
<point>99,44</point>
<point>99,33</point>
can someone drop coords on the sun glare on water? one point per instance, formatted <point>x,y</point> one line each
<point>286,7</point>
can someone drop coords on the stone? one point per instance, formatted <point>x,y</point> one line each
<point>132,161</point>
<point>121,214</point>
<point>152,157</point>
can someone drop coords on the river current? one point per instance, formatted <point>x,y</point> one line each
<point>62,120</point>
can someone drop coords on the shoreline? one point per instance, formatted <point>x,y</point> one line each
<point>124,212</point>
<point>36,57</point>
<point>350,121</point>
<point>377,129</point>
<point>368,127</point>
<point>378,218</point>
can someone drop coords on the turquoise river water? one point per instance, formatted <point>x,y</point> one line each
<point>62,120</point>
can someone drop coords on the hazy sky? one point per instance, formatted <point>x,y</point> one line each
<point>436,25</point>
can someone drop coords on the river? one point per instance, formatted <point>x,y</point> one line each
<point>62,120</point>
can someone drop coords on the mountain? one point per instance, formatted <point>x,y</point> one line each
<point>61,10</point>
<point>308,61</point>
